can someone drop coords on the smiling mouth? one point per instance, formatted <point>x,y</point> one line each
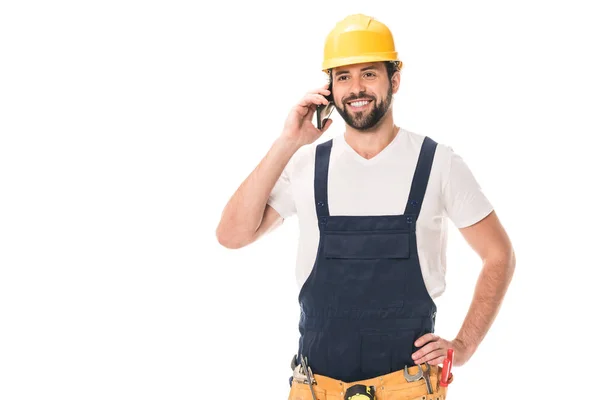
<point>358,105</point>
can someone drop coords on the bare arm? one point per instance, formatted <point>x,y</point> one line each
<point>489,240</point>
<point>246,217</point>
<point>493,245</point>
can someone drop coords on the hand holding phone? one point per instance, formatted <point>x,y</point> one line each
<point>299,126</point>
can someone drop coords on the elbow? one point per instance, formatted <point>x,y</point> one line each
<point>512,263</point>
<point>501,260</point>
<point>508,261</point>
<point>513,259</point>
<point>228,240</point>
<point>227,243</point>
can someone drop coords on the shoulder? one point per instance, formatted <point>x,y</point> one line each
<point>444,155</point>
<point>303,158</point>
<point>308,153</point>
<point>415,140</point>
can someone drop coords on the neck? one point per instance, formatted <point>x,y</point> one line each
<point>368,143</point>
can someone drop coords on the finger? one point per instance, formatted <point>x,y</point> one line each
<point>428,337</point>
<point>311,112</point>
<point>320,99</point>
<point>323,91</point>
<point>311,99</point>
<point>432,346</point>
<point>305,109</point>
<point>328,123</point>
<point>434,357</point>
<point>438,361</point>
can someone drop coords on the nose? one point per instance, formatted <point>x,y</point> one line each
<point>356,87</point>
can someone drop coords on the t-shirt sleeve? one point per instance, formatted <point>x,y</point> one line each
<point>281,197</point>
<point>464,200</point>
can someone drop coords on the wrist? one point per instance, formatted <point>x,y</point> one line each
<point>287,143</point>
<point>463,346</point>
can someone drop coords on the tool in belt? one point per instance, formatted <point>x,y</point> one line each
<point>447,366</point>
<point>302,373</point>
<point>445,378</point>
<point>421,374</point>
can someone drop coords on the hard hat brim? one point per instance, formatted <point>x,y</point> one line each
<point>339,62</point>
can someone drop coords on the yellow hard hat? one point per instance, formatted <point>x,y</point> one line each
<point>357,39</point>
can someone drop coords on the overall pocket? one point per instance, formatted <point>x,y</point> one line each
<point>366,245</point>
<point>349,258</point>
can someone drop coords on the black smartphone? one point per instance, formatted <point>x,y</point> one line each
<point>323,112</point>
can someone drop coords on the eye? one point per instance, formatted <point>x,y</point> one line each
<point>341,77</point>
<point>370,74</point>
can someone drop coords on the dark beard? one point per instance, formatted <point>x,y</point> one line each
<point>359,120</point>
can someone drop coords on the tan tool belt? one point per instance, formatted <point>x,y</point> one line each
<point>392,386</point>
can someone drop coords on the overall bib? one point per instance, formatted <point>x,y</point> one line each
<point>365,302</point>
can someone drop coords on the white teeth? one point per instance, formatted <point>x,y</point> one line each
<point>359,103</point>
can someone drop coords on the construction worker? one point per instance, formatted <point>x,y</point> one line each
<point>372,206</point>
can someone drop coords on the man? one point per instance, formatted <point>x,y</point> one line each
<point>372,207</point>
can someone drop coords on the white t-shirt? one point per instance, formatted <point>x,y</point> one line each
<point>380,186</point>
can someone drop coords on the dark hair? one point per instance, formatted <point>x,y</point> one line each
<point>391,67</point>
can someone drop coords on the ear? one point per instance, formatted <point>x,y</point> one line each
<point>395,82</point>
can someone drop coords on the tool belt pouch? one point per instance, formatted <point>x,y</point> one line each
<point>391,387</point>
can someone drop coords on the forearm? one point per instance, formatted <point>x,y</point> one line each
<point>490,290</point>
<point>243,213</point>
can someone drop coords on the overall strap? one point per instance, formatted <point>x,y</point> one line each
<point>321,176</point>
<point>421,177</point>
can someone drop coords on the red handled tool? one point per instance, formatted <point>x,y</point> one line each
<point>446,374</point>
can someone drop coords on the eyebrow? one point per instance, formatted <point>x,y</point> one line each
<point>361,70</point>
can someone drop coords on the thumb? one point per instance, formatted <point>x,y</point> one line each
<point>327,124</point>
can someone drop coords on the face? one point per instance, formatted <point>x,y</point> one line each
<point>363,93</point>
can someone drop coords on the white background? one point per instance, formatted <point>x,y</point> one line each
<point>126,126</point>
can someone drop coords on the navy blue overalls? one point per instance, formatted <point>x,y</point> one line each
<point>365,302</point>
